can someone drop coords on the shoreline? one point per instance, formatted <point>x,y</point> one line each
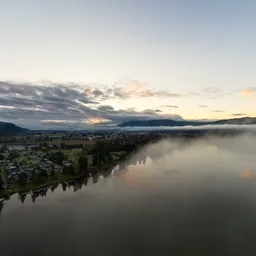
<point>6,193</point>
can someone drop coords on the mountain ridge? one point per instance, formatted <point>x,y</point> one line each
<point>180,123</point>
<point>10,129</point>
<point>7,128</point>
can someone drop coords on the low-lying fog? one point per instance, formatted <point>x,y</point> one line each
<point>245,127</point>
<point>171,198</point>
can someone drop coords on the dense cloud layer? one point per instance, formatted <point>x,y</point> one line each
<point>69,106</point>
<point>46,105</point>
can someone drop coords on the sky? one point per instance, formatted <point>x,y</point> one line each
<point>78,62</point>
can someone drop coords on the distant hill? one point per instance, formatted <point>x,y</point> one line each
<point>170,122</point>
<point>243,120</point>
<point>159,122</point>
<point>10,129</point>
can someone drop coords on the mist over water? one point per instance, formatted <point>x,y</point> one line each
<point>172,198</point>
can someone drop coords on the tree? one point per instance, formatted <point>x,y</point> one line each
<point>101,148</point>
<point>52,171</point>
<point>23,179</point>
<point>43,174</point>
<point>68,170</point>
<point>35,178</point>
<point>1,182</point>
<point>4,148</point>
<point>13,154</point>
<point>95,160</point>
<point>57,157</point>
<point>83,162</point>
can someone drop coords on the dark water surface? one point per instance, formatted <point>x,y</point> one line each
<point>168,200</point>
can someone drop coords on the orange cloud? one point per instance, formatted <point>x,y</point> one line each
<point>87,91</point>
<point>248,92</point>
<point>135,88</point>
<point>147,93</point>
<point>132,88</point>
<point>135,85</point>
<point>96,120</point>
<point>53,121</point>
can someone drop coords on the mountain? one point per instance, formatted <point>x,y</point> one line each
<point>170,122</point>
<point>160,122</point>
<point>243,120</point>
<point>10,129</point>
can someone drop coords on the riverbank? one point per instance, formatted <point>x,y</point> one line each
<point>60,178</point>
<point>17,188</point>
<point>52,181</point>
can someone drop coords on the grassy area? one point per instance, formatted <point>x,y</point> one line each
<point>72,142</point>
<point>71,154</point>
<point>23,158</point>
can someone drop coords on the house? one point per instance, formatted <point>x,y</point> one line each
<point>11,168</point>
<point>13,178</point>
<point>6,154</point>
<point>58,168</point>
<point>67,164</point>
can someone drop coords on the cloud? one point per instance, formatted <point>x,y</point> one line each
<point>238,114</point>
<point>201,106</point>
<point>67,105</point>
<point>170,106</point>
<point>105,107</point>
<point>219,111</point>
<point>248,92</point>
<point>88,91</point>
<point>210,93</point>
<point>97,93</point>
<point>212,90</point>
<point>138,89</point>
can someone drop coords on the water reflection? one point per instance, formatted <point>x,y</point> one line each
<point>169,199</point>
<point>64,186</point>
<point>247,174</point>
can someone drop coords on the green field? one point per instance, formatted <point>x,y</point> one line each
<point>72,154</point>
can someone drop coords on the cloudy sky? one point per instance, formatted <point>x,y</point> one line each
<point>77,63</point>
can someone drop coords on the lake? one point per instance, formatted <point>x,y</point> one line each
<point>171,198</point>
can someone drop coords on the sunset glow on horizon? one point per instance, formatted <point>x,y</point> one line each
<point>98,64</point>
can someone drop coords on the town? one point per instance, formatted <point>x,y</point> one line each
<point>30,161</point>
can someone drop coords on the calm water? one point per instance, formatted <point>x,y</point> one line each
<point>170,199</point>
